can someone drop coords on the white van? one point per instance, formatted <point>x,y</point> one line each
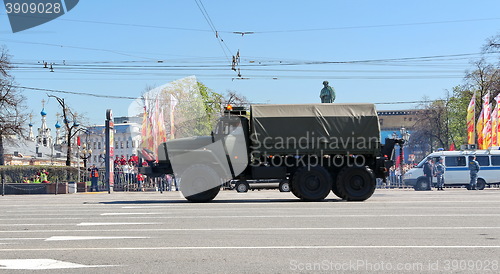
<point>457,169</point>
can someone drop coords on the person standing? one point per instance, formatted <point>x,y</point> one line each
<point>94,177</point>
<point>44,176</point>
<point>429,172</point>
<point>440,169</point>
<point>474,169</point>
<point>327,94</point>
<point>140,182</point>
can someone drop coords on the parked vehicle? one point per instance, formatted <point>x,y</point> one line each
<point>457,169</point>
<point>311,149</point>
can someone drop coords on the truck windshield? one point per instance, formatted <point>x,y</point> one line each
<point>226,126</point>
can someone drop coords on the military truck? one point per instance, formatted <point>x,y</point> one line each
<point>316,148</point>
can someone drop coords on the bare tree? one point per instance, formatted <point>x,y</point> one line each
<point>70,125</point>
<point>431,128</point>
<point>484,78</point>
<point>12,102</point>
<point>233,98</point>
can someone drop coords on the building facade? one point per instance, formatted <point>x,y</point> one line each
<point>34,150</point>
<point>126,143</point>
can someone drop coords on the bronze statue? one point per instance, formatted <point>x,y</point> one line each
<point>327,94</point>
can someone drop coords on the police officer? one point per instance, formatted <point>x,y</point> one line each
<point>440,169</point>
<point>429,172</point>
<point>94,177</point>
<point>474,169</point>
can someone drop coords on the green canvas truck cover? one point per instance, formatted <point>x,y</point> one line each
<point>315,128</point>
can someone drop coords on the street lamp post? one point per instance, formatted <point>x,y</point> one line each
<point>405,135</point>
<point>85,154</point>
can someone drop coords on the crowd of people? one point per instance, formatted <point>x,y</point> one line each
<point>395,178</point>
<point>127,177</point>
<point>41,177</point>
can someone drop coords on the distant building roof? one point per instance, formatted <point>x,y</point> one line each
<point>119,128</point>
<point>27,148</point>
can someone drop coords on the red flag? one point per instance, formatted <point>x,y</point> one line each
<point>173,103</point>
<point>470,120</point>
<point>496,128</point>
<point>487,121</point>
<point>480,126</point>
<point>452,146</point>
<point>144,129</point>
<point>78,141</point>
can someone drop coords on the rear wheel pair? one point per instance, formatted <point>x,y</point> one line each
<point>354,184</point>
<point>315,183</point>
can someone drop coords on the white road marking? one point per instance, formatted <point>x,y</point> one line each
<point>262,247</point>
<point>95,224</point>
<point>16,239</point>
<point>316,216</point>
<point>35,224</point>
<point>80,238</point>
<point>36,264</point>
<point>140,207</point>
<point>460,228</point>
<point>262,216</point>
<point>130,213</point>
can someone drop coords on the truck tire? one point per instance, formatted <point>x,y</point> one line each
<point>356,183</point>
<point>284,186</point>
<point>294,190</point>
<point>481,184</point>
<point>422,184</point>
<point>312,183</point>
<point>195,179</point>
<point>242,187</point>
<point>335,189</point>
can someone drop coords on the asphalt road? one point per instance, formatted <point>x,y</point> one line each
<point>266,231</point>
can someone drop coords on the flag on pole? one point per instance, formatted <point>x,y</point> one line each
<point>144,127</point>
<point>496,128</point>
<point>471,125</point>
<point>452,147</point>
<point>487,121</point>
<point>480,126</point>
<point>151,141</point>
<point>173,103</point>
<point>156,124</point>
<point>162,132</point>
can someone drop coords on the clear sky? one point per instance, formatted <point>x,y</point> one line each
<point>113,48</point>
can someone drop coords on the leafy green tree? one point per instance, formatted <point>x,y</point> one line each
<point>457,114</point>
<point>443,121</point>
<point>194,107</point>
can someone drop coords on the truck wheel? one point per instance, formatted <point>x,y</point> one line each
<point>242,187</point>
<point>356,183</point>
<point>284,186</point>
<point>197,183</point>
<point>335,188</point>
<point>422,184</point>
<point>481,184</point>
<point>312,183</point>
<point>294,190</point>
